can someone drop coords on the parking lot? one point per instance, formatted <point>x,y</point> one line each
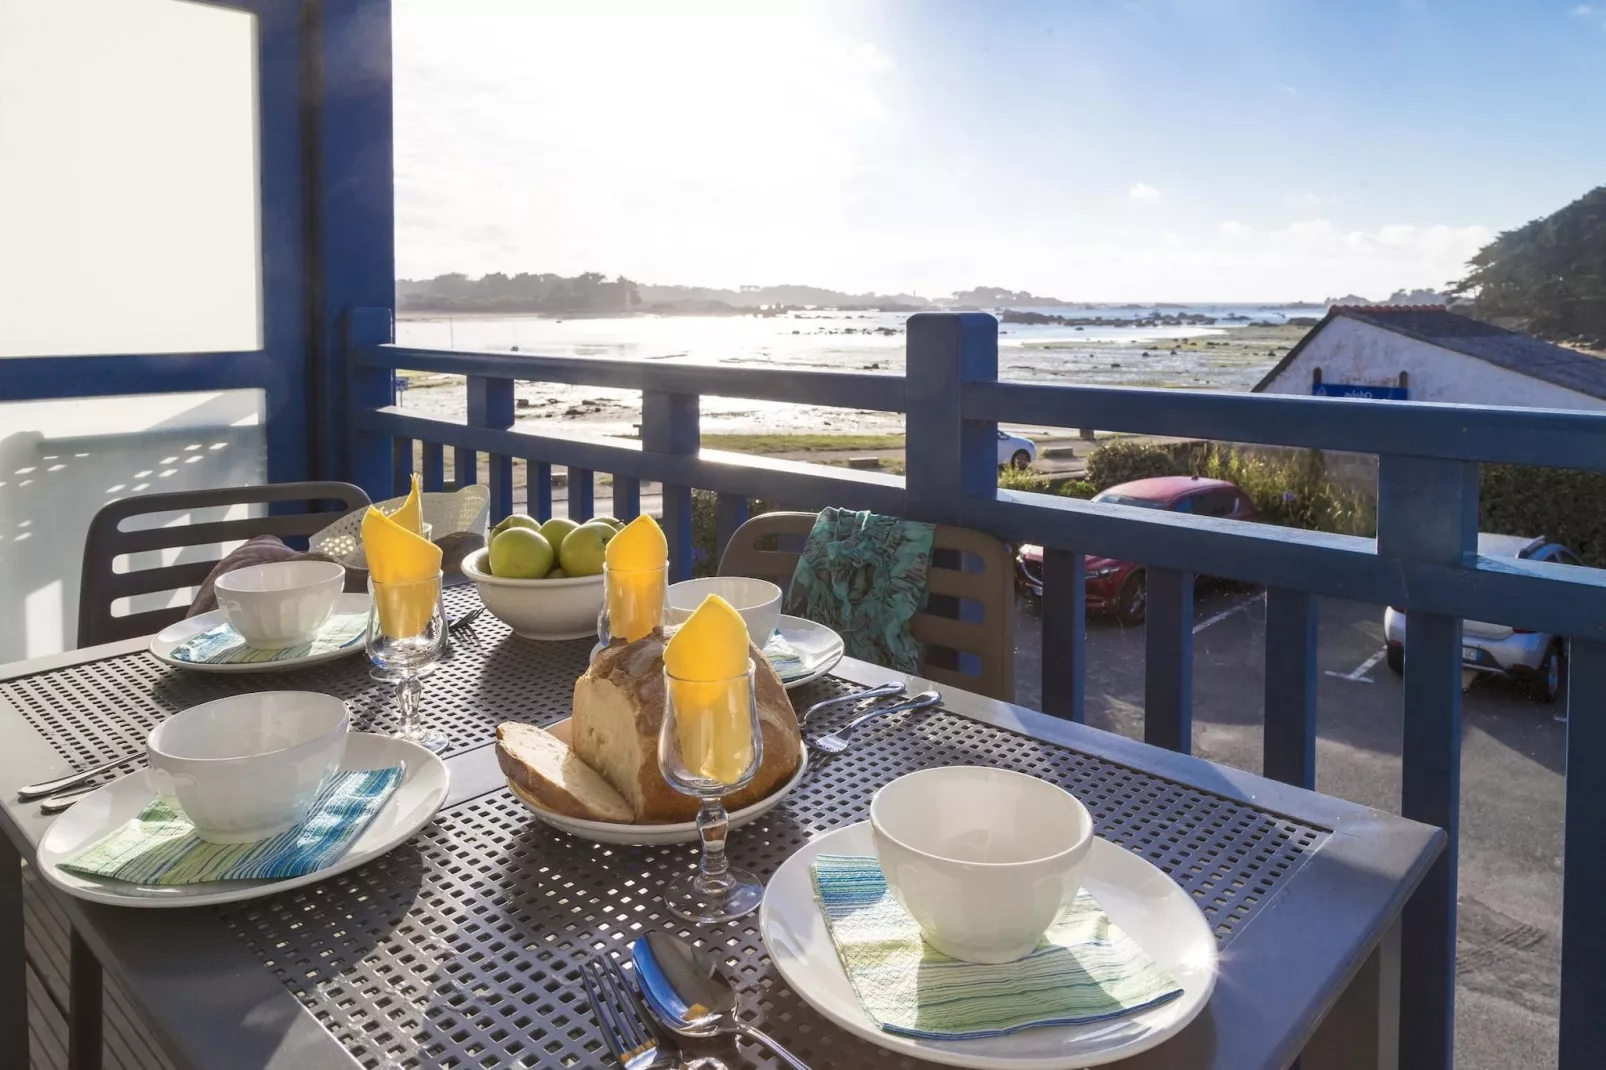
<point>1513,755</point>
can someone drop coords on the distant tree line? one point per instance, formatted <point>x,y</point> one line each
<point>591,292</point>
<point>1547,277</point>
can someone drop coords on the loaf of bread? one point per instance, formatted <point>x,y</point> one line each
<point>619,706</point>
<point>542,768</point>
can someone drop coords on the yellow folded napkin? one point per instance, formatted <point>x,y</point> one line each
<point>636,558</point>
<point>713,711</point>
<point>398,556</point>
<point>411,513</point>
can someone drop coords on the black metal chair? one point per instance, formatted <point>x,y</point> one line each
<point>102,584</point>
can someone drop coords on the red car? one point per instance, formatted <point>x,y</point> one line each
<point>1121,586</point>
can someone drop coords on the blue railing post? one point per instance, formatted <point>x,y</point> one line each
<point>490,404</point>
<point>1583,948</point>
<point>1064,633</point>
<point>1427,512</point>
<point>372,463</point>
<point>948,457</point>
<point>1168,660</point>
<point>669,424</point>
<point>1289,744</point>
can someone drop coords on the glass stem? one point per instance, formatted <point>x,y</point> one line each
<point>408,690</point>
<point>712,825</point>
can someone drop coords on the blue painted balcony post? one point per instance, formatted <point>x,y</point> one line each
<point>669,424</point>
<point>1289,744</point>
<point>1583,949</point>
<point>1427,512</point>
<point>372,463</point>
<point>490,404</point>
<point>948,457</point>
<point>1064,634</point>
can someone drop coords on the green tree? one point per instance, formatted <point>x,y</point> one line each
<point>1549,275</point>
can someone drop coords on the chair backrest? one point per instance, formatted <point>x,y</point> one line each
<point>969,620</point>
<point>102,584</point>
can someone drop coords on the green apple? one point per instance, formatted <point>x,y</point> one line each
<point>612,521</point>
<point>556,574</point>
<point>582,552</point>
<point>556,530</point>
<point>516,520</point>
<point>521,554</point>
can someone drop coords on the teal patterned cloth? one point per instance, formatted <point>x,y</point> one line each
<point>1085,969</point>
<point>863,575</point>
<point>160,846</point>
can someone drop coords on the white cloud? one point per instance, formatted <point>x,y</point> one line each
<point>1142,191</point>
<point>1234,229</point>
<point>1583,11</point>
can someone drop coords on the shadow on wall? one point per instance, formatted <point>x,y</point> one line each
<point>79,455</point>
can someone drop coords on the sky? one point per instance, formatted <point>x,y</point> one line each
<point>1165,150</point>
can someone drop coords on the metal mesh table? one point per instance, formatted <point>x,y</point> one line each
<point>461,949</point>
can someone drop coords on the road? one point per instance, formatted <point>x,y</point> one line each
<point>1513,755</point>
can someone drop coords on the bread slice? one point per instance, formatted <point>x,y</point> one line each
<point>619,708</point>
<point>543,768</point>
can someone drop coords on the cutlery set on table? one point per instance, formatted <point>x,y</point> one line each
<point>974,919</point>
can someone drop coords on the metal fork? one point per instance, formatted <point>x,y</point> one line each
<point>837,742</point>
<point>878,691</point>
<point>628,1031</point>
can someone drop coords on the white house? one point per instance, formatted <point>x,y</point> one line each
<point>1425,353</point>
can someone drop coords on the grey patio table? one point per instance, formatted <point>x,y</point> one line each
<point>461,947</point>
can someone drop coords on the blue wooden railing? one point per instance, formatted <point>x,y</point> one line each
<point>1424,559</point>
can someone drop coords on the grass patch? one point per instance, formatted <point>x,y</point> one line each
<point>798,443</point>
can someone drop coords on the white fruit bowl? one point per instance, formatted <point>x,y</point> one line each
<point>538,609</point>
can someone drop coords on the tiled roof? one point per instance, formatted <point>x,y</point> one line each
<point>1437,326</point>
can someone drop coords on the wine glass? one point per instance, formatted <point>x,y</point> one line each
<point>406,630</point>
<point>634,602</point>
<point>709,746</point>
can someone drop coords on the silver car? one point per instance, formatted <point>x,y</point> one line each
<point>1537,658</point>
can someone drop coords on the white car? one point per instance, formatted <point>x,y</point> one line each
<point>1536,658</point>
<point>1015,451</point>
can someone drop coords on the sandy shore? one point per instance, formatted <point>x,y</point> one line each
<point>1218,360</point>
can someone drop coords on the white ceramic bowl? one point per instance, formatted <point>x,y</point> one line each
<point>248,767</point>
<point>983,859</point>
<point>758,601</point>
<point>649,835</point>
<point>284,603</point>
<point>538,609</point>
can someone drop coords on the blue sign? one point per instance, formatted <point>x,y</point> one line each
<point>1358,390</point>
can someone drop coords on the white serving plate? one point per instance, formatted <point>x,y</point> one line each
<point>820,647</point>
<point>650,835</point>
<point>1141,899</point>
<point>410,807</point>
<point>170,638</point>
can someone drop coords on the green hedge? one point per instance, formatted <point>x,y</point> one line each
<point>1558,503</point>
<point>1122,462</point>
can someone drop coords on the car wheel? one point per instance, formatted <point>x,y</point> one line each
<point>1396,659</point>
<point>1021,460</point>
<point>1546,684</point>
<point>1133,601</point>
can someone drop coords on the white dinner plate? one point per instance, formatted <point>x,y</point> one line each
<point>650,835</point>
<point>819,646</point>
<point>410,807</point>
<point>1141,899</point>
<point>164,642</point>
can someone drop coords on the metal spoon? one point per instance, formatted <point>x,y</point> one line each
<point>689,995</point>
<point>878,691</point>
<point>837,742</point>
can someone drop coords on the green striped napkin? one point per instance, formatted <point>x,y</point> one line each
<point>784,658</point>
<point>224,646</point>
<point>160,845</point>
<point>1084,969</point>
